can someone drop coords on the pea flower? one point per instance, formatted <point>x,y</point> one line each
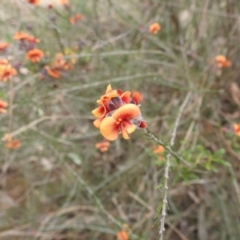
<point>6,70</point>
<point>58,65</point>
<point>3,46</point>
<point>34,2</point>
<point>3,106</point>
<point>222,61</point>
<point>118,113</point>
<point>236,129</point>
<point>11,143</point>
<point>154,28</point>
<point>122,235</point>
<point>22,36</point>
<point>102,146</point>
<point>34,55</point>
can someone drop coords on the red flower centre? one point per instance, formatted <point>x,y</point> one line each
<point>118,121</point>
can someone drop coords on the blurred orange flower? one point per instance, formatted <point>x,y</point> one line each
<point>6,70</point>
<point>154,28</point>
<point>22,36</point>
<point>122,235</point>
<point>35,2</point>
<point>58,65</point>
<point>121,121</point>
<point>3,46</point>
<point>63,2</point>
<point>52,72</point>
<point>102,146</point>
<point>236,128</point>
<point>3,106</point>
<point>158,149</point>
<point>222,61</point>
<point>61,63</point>
<point>13,144</point>
<point>75,18</point>
<point>34,55</point>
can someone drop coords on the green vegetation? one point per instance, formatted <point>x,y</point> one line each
<point>57,185</point>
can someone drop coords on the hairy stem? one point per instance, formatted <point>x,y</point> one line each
<point>171,152</point>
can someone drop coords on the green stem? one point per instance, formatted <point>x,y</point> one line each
<point>167,147</point>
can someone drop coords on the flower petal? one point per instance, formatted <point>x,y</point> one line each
<point>97,122</point>
<point>111,94</point>
<point>109,128</point>
<point>137,97</point>
<point>127,128</point>
<point>126,112</point>
<point>126,96</point>
<point>99,111</point>
<point>109,88</point>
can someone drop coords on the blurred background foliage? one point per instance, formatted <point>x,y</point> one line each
<point>57,185</point>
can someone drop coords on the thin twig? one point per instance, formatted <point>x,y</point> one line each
<point>32,124</point>
<point>167,147</point>
<point>171,152</point>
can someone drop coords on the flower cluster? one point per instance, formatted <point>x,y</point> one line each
<point>27,42</point>
<point>58,65</point>
<point>222,61</point>
<point>7,71</point>
<point>75,19</point>
<point>118,113</point>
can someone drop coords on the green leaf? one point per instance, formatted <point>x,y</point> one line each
<point>75,158</point>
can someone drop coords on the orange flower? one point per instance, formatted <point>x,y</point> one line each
<point>107,102</point>
<point>52,72</point>
<point>75,18</point>
<point>102,146</point>
<point>3,61</point>
<point>118,112</point>
<point>3,46</point>
<point>13,144</point>
<point>63,2</point>
<point>158,149</point>
<point>22,36</point>
<point>35,2</point>
<point>154,28</point>
<point>236,128</point>
<point>60,62</point>
<point>122,235</point>
<point>3,106</point>
<point>121,121</point>
<point>222,61</point>
<point>6,70</point>
<point>34,55</point>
